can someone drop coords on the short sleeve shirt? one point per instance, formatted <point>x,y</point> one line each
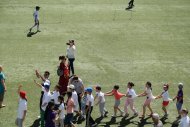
<point>132,93</point>
<point>117,94</point>
<point>70,106</point>
<point>184,122</point>
<point>62,108</point>
<point>100,95</point>
<point>165,96</point>
<point>2,77</point>
<point>22,106</point>
<point>90,98</point>
<point>180,95</point>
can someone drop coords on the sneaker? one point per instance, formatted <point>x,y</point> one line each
<point>142,116</point>
<point>30,29</point>
<point>113,116</point>
<point>94,125</point>
<point>106,114</point>
<point>165,115</point>
<point>135,114</point>
<point>126,115</point>
<point>122,113</point>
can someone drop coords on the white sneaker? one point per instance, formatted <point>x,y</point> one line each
<point>113,116</point>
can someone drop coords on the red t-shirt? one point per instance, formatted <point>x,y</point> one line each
<point>117,94</point>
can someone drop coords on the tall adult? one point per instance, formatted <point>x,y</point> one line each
<point>64,75</point>
<point>3,88</point>
<point>71,55</point>
<point>79,87</point>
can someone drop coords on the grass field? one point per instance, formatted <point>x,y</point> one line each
<point>114,46</point>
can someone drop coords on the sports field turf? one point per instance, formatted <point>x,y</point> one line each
<point>114,46</point>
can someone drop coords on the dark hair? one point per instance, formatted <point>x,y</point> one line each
<point>47,72</point>
<point>37,8</point>
<point>131,84</point>
<point>72,41</point>
<point>149,84</point>
<point>75,77</point>
<point>61,98</point>
<point>48,109</point>
<point>69,94</point>
<point>185,110</point>
<point>62,57</point>
<point>116,87</point>
<point>98,88</point>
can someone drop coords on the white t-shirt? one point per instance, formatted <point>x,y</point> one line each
<point>46,98</point>
<point>62,114</point>
<point>55,96</point>
<point>22,106</point>
<point>71,51</point>
<point>36,15</point>
<point>75,98</point>
<point>100,95</point>
<point>184,122</point>
<point>160,124</point>
<point>131,92</point>
<point>149,93</point>
<point>90,98</point>
<point>165,96</point>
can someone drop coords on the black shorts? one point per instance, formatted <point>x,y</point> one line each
<point>68,119</point>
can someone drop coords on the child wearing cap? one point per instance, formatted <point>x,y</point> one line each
<point>45,99</point>
<point>179,97</point>
<point>101,101</point>
<point>149,98</point>
<point>156,120</point>
<point>114,92</point>
<point>165,96</point>
<point>22,107</point>
<point>130,94</point>
<point>185,120</point>
<point>89,108</point>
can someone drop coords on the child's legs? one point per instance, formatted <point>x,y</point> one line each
<point>42,117</point>
<point>19,122</point>
<point>126,105</point>
<point>179,106</point>
<point>146,103</point>
<point>132,105</point>
<point>101,108</point>
<point>164,105</point>
<point>61,122</point>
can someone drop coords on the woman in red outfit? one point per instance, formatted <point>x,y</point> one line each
<point>64,77</point>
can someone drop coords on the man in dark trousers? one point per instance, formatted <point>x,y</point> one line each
<point>131,5</point>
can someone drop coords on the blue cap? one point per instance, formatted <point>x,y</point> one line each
<point>89,89</point>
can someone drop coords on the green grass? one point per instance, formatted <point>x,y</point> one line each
<point>113,46</point>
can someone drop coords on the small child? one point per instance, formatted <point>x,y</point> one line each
<point>61,111</point>
<point>185,120</point>
<point>114,92</point>
<point>22,107</point>
<point>55,95</point>
<point>36,19</point>
<point>165,96</point>
<point>130,99</point>
<point>179,97</point>
<point>149,98</point>
<point>83,104</point>
<point>101,101</point>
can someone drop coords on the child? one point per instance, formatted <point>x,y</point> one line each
<point>179,97</point>
<point>45,99</point>
<point>22,107</point>
<point>55,96</point>
<point>156,120</point>
<point>36,19</point>
<point>131,4</point>
<point>185,120</point>
<point>70,109</point>
<point>130,100</point>
<point>61,111</point>
<point>50,115</point>
<point>83,104</point>
<point>165,96</point>
<point>89,107</point>
<point>149,98</point>
<point>117,96</point>
<point>101,101</point>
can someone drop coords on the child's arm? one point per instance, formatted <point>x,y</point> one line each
<point>142,94</point>
<point>159,96</point>
<point>24,115</point>
<point>38,84</point>
<point>19,88</point>
<point>108,92</point>
<point>99,100</point>
<point>95,97</point>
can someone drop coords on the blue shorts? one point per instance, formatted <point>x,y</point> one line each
<point>179,105</point>
<point>68,119</point>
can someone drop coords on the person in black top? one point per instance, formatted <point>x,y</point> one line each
<point>131,5</point>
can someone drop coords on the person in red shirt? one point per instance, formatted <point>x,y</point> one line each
<point>114,92</point>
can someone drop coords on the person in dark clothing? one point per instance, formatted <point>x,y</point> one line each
<point>131,5</point>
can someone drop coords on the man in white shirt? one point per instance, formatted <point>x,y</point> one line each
<point>185,121</point>
<point>156,120</point>
<point>36,19</point>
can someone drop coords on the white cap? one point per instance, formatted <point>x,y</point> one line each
<point>155,116</point>
<point>71,86</point>
<point>180,84</point>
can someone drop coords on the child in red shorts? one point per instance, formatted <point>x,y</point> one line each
<point>165,96</point>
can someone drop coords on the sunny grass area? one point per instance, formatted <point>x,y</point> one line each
<point>114,46</point>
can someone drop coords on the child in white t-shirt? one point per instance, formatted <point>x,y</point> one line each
<point>165,96</point>
<point>55,95</point>
<point>22,107</point>
<point>101,101</point>
<point>130,94</point>
<point>61,111</point>
<point>185,120</point>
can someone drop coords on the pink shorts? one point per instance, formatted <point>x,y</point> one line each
<point>147,102</point>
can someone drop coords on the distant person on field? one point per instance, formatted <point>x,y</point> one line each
<point>185,120</point>
<point>156,120</point>
<point>114,92</point>
<point>165,96</point>
<point>131,4</point>
<point>36,19</point>
<point>71,55</point>
<point>130,94</point>
<point>179,97</point>
<point>101,101</point>
<point>3,87</point>
<point>149,98</point>
<point>22,107</point>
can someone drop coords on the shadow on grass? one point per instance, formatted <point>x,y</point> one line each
<point>175,123</point>
<point>30,34</point>
<point>36,123</point>
<point>124,121</point>
<point>143,122</point>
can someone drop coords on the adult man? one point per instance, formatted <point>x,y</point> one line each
<point>36,19</point>
<point>3,88</point>
<point>79,87</point>
<point>156,120</point>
